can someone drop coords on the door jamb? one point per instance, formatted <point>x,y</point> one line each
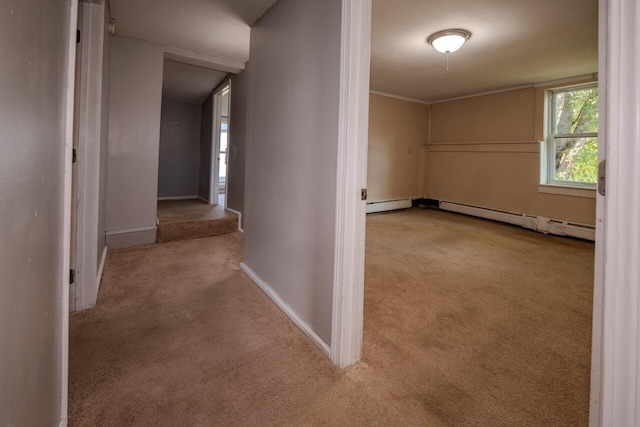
<point>90,125</point>
<point>349,249</point>
<point>215,146</point>
<point>214,184</point>
<point>616,358</point>
<point>595,407</point>
<point>69,84</point>
<point>226,183</point>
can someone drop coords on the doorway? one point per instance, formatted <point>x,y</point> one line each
<point>192,167</point>
<point>220,144</point>
<point>615,340</point>
<point>90,137</point>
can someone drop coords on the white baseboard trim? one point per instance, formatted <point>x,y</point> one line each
<point>388,205</point>
<point>194,197</point>
<point>202,199</point>
<point>301,324</point>
<point>533,222</point>
<point>239,218</point>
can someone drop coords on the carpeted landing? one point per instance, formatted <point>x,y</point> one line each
<point>467,323</point>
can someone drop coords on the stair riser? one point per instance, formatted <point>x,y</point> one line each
<point>195,229</point>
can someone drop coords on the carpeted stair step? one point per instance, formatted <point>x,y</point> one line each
<point>195,229</point>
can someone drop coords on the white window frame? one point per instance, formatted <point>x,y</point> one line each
<point>548,160</point>
<point>224,120</point>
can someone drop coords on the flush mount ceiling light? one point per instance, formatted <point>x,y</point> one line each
<point>448,41</point>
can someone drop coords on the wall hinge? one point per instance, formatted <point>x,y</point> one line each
<point>602,178</point>
<point>363,194</point>
<point>72,276</point>
<point>78,36</point>
<point>74,155</point>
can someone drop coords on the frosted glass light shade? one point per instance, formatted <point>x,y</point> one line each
<point>448,41</point>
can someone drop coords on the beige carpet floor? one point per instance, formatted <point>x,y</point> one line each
<point>467,323</point>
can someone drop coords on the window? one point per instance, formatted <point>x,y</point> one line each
<point>223,152</point>
<point>572,141</point>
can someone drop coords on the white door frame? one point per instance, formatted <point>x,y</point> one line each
<point>615,391</point>
<point>69,84</point>
<point>353,129</point>
<point>214,184</point>
<point>84,293</point>
<point>226,183</point>
<point>598,288</point>
<point>215,146</point>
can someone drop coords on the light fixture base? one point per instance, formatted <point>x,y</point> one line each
<point>448,41</point>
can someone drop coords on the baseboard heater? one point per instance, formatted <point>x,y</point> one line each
<point>388,205</point>
<point>538,223</point>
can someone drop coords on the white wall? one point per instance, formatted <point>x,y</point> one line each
<point>34,40</point>
<point>134,135</point>
<point>237,140</point>
<point>291,163</point>
<point>179,150</point>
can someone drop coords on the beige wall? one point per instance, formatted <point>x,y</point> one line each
<point>505,116</point>
<point>484,152</point>
<point>397,130</point>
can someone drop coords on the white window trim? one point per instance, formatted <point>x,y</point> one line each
<point>548,184</point>
<point>587,192</point>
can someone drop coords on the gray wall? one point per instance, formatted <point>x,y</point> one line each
<point>179,150</point>
<point>206,135</point>
<point>237,140</point>
<point>33,47</point>
<point>104,136</point>
<point>134,135</point>
<point>291,158</point>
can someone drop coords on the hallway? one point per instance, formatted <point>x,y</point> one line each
<point>180,336</point>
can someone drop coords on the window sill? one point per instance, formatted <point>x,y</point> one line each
<point>562,190</point>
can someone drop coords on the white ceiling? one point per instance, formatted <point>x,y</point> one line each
<point>513,42</point>
<point>188,84</point>
<point>217,28</point>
